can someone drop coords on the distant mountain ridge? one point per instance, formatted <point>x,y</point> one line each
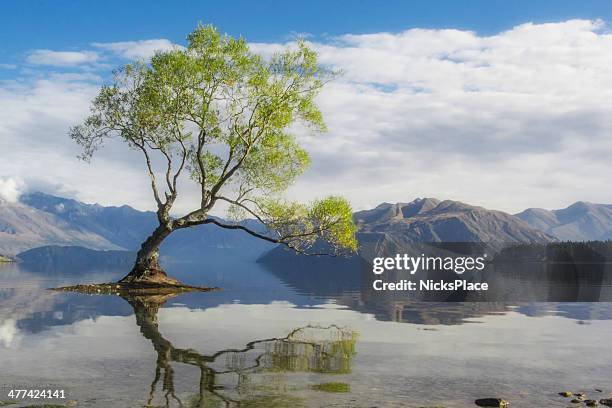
<point>23,227</point>
<point>581,221</point>
<point>74,258</point>
<point>432,220</point>
<point>41,219</point>
<point>390,229</point>
<point>124,226</point>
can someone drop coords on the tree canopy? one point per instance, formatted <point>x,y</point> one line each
<point>220,116</point>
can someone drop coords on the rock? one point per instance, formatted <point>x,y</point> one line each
<point>591,403</point>
<point>606,401</point>
<point>580,395</point>
<point>577,401</point>
<point>566,394</point>
<point>492,402</point>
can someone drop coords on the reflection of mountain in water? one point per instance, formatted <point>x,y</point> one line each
<point>347,282</point>
<point>320,276</point>
<point>72,309</point>
<point>348,287</point>
<point>559,272</point>
<point>25,300</point>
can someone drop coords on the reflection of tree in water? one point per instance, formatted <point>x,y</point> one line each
<point>325,350</point>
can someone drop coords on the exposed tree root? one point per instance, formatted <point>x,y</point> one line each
<point>149,276</point>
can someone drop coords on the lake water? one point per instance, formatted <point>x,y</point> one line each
<point>274,338</point>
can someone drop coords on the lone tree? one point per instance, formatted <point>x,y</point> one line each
<point>220,116</point>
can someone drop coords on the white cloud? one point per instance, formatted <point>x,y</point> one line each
<point>137,50</point>
<point>11,189</point>
<point>61,58</point>
<point>8,332</point>
<point>508,121</point>
<point>34,121</point>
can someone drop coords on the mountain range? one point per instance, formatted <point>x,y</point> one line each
<point>389,228</point>
<point>45,220</point>
<point>581,221</point>
<point>40,219</point>
<point>23,227</point>
<point>432,220</point>
<point>124,226</point>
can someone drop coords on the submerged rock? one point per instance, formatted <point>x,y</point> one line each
<point>606,401</point>
<point>492,402</point>
<point>566,394</point>
<point>591,403</point>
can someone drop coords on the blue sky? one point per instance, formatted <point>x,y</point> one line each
<point>504,104</point>
<point>63,24</point>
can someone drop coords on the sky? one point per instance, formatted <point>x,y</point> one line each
<point>495,103</point>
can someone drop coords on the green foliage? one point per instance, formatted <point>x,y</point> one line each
<point>249,401</point>
<point>272,401</point>
<point>329,219</point>
<point>224,115</point>
<point>332,387</point>
<point>304,351</point>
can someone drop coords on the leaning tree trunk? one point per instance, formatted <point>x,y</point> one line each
<point>146,268</point>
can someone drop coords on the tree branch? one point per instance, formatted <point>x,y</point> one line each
<point>264,237</point>
<point>151,174</point>
<point>244,207</point>
<point>183,160</point>
<point>201,142</point>
<point>168,170</point>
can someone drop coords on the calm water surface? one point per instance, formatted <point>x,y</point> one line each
<point>274,338</point>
